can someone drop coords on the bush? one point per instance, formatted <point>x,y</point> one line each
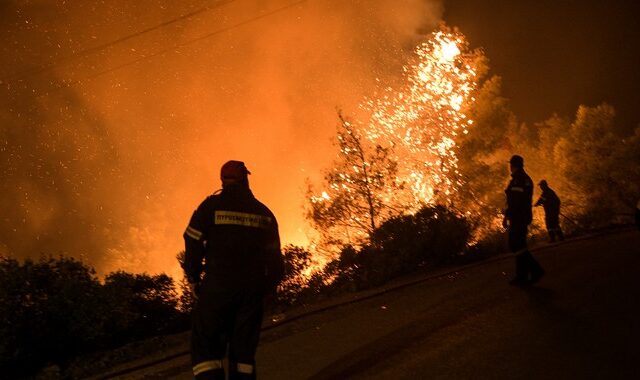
<point>56,308</point>
<point>492,243</point>
<point>432,237</point>
<point>140,306</point>
<point>296,261</point>
<point>51,311</point>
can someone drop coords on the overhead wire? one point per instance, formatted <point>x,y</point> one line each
<point>107,45</point>
<point>66,84</point>
<point>197,39</point>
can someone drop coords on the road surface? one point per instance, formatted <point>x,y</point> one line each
<point>580,322</point>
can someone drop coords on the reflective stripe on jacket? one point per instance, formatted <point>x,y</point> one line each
<point>233,238</point>
<point>519,194</point>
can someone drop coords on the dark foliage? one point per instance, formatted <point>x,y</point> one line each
<point>140,305</point>
<point>435,236</point>
<point>296,261</point>
<point>56,308</point>
<point>432,237</point>
<point>51,311</point>
<point>186,300</point>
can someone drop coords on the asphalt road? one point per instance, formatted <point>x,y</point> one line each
<point>580,322</point>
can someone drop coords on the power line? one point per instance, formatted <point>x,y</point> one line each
<point>95,49</point>
<point>185,43</point>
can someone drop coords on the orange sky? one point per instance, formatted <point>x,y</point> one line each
<point>110,168</point>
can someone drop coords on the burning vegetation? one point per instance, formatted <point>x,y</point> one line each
<point>444,136</point>
<point>404,156</point>
<point>417,182</point>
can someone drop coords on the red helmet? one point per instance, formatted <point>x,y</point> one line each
<point>234,171</point>
<point>517,161</point>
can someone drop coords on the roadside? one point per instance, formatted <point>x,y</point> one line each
<point>162,351</point>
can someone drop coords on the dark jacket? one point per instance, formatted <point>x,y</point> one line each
<point>233,238</point>
<point>519,194</point>
<point>550,201</point>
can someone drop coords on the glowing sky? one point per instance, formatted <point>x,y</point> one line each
<point>107,147</point>
<point>106,160</point>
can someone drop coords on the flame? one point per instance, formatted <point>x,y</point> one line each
<point>419,125</point>
<point>447,51</point>
<point>422,121</point>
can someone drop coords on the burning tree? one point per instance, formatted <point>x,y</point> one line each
<point>422,122</point>
<point>443,138</point>
<point>589,161</point>
<point>405,155</point>
<point>360,190</point>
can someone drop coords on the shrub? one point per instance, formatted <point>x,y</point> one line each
<point>51,311</point>
<point>296,261</point>
<point>141,305</point>
<point>56,308</point>
<point>432,237</point>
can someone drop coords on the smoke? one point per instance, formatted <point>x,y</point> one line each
<point>108,164</point>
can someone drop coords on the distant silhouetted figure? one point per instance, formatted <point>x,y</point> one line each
<point>638,214</point>
<point>517,217</point>
<point>551,203</point>
<point>233,239</point>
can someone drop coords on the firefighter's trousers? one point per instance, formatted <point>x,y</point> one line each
<point>552,221</point>
<point>526,264</point>
<point>226,320</point>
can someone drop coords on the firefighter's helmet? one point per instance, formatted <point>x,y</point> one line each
<point>517,161</point>
<point>234,171</point>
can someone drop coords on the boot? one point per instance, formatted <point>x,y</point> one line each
<point>521,271</point>
<point>240,371</point>
<point>534,268</point>
<point>217,374</point>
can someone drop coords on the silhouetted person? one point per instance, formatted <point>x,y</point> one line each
<point>638,214</point>
<point>551,203</point>
<point>517,218</point>
<point>233,240</point>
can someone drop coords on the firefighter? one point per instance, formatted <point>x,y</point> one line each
<point>517,218</point>
<point>551,204</point>
<point>232,261</point>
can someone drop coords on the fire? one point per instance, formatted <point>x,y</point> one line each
<point>448,51</point>
<point>404,156</point>
<point>422,120</point>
